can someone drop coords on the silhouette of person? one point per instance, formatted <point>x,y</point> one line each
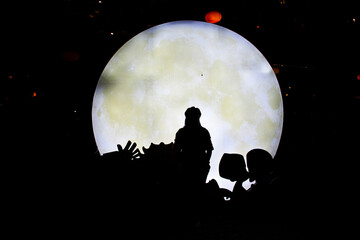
<point>232,167</point>
<point>262,194</point>
<point>259,163</point>
<point>192,149</point>
<point>193,146</point>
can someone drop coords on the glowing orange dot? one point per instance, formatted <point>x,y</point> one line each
<point>358,77</point>
<point>213,17</point>
<point>34,94</point>
<point>276,70</point>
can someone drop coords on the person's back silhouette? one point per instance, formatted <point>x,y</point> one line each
<point>194,147</point>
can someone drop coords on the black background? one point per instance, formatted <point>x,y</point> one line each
<point>58,50</point>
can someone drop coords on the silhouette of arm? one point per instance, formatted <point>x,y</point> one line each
<point>178,143</point>
<point>208,144</point>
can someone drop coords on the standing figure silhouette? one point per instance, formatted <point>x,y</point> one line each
<point>193,147</point>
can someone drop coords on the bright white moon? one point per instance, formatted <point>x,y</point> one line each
<point>148,84</point>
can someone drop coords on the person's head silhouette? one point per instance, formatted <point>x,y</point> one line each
<point>192,115</point>
<point>232,167</point>
<point>259,162</point>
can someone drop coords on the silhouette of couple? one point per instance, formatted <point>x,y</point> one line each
<point>193,147</point>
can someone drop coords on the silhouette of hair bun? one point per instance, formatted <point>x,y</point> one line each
<point>193,112</point>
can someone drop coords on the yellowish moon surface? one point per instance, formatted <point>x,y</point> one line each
<point>152,79</point>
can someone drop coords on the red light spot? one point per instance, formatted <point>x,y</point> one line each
<point>276,70</point>
<point>213,17</point>
<point>358,77</point>
<point>70,56</point>
<point>34,94</point>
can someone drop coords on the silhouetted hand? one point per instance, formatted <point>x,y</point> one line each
<point>130,151</point>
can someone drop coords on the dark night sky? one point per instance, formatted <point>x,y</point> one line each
<point>59,49</point>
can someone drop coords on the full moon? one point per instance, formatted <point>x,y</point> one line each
<point>152,79</point>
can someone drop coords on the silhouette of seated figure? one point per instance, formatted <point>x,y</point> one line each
<point>193,147</point>
<point>232,167</point>
<point>261,193</point>
<point>259,163</point>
